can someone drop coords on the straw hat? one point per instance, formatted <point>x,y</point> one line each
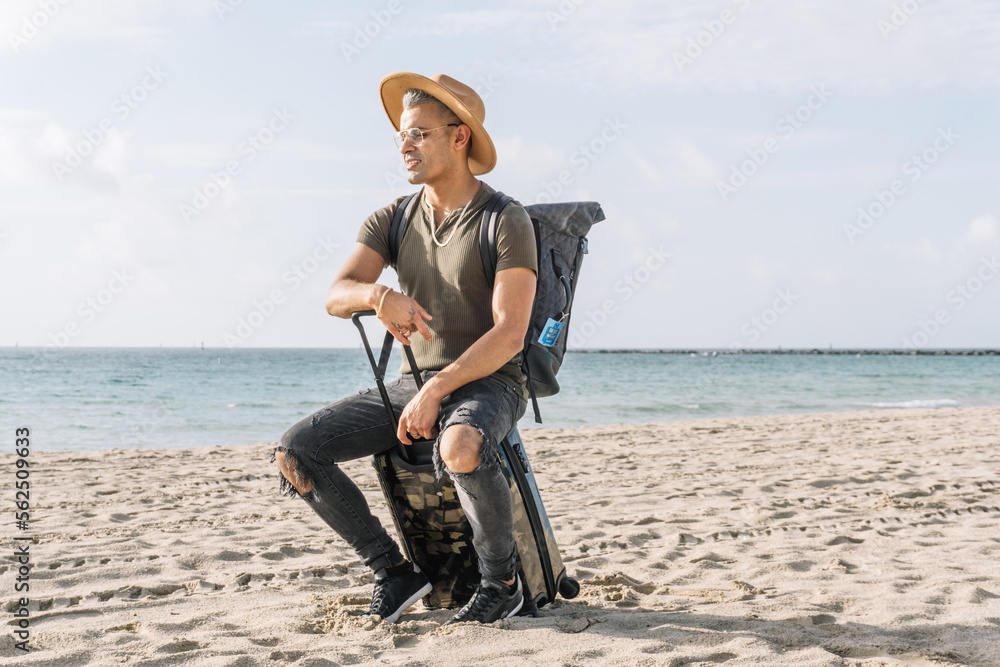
<point>455,95</point>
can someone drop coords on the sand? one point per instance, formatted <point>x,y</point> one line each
<point>864,538</point>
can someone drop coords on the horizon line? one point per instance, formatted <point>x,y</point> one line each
<point>586,350</point>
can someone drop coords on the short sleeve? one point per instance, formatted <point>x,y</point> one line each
<point>374,231</point>
<point>516,239</point>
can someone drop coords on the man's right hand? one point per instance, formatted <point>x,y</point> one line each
<point>402,315</point>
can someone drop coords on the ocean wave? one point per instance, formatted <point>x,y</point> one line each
<point>919,403</point>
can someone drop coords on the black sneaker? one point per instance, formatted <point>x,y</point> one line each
<point>492,601</point>
<point>396,588</point>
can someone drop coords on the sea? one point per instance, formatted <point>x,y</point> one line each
<point>86,399</point>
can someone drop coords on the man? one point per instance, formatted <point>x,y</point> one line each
<point>468,348</point>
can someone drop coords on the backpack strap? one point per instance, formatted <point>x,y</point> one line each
<point>488,251</point>
<point>488,233</point>
<point>531,388</point>
<point>398,225</point>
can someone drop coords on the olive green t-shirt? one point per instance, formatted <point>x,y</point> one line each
<point>450,282</point>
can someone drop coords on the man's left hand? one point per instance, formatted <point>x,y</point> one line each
<point>419,418</point>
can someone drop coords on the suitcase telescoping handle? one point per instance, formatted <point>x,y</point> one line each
<point>380,367</point>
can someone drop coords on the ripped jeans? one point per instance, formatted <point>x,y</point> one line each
<point>358,426</point>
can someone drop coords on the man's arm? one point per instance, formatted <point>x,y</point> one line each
<point>513,296</point>
<point>354,289</point>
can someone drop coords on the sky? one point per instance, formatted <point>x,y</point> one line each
<point>773,174</point>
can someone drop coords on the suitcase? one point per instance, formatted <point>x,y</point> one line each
<point>432,527</point>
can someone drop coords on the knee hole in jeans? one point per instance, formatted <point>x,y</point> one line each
<point>460,447</point>
<point>294,478</point>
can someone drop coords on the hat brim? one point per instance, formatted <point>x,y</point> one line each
<point>482,156</point>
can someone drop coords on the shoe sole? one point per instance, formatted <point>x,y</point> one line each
<point>509,614</point>
<point>408,603</point>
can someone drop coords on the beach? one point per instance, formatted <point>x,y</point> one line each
<point>850,539</point>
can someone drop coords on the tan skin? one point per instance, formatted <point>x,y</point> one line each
<point>441,164</point>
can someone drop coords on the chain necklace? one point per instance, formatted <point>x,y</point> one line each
<point>460,216</point>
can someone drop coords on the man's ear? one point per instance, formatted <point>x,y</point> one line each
<point>463,136</point>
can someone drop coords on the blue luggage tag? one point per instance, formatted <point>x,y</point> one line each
<point>550,334</point>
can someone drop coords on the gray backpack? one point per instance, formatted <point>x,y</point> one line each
<point>561,241</point>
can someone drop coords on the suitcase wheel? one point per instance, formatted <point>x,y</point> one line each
<point>569,588</point>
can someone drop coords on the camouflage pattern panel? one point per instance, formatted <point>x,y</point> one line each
<point>435,532</point>
<point>437,536</point>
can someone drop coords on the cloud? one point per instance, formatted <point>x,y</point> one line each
<point>982,231</point>
<point>472,22</point>
<point>14,162</point>
<point>29,142</point>
<point>189,155</point>
<point>59,156</point>
<point>773,45</point>
<point>411,23</point>
<point>311,28</point>
<point>680,164</point>
<point>826,276</point>
<point>113,155</point>
<point>143,24</point>
<point>764,272</point>
<point>14,116</point>
<point>531,162</point>
<point>928,251</point>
